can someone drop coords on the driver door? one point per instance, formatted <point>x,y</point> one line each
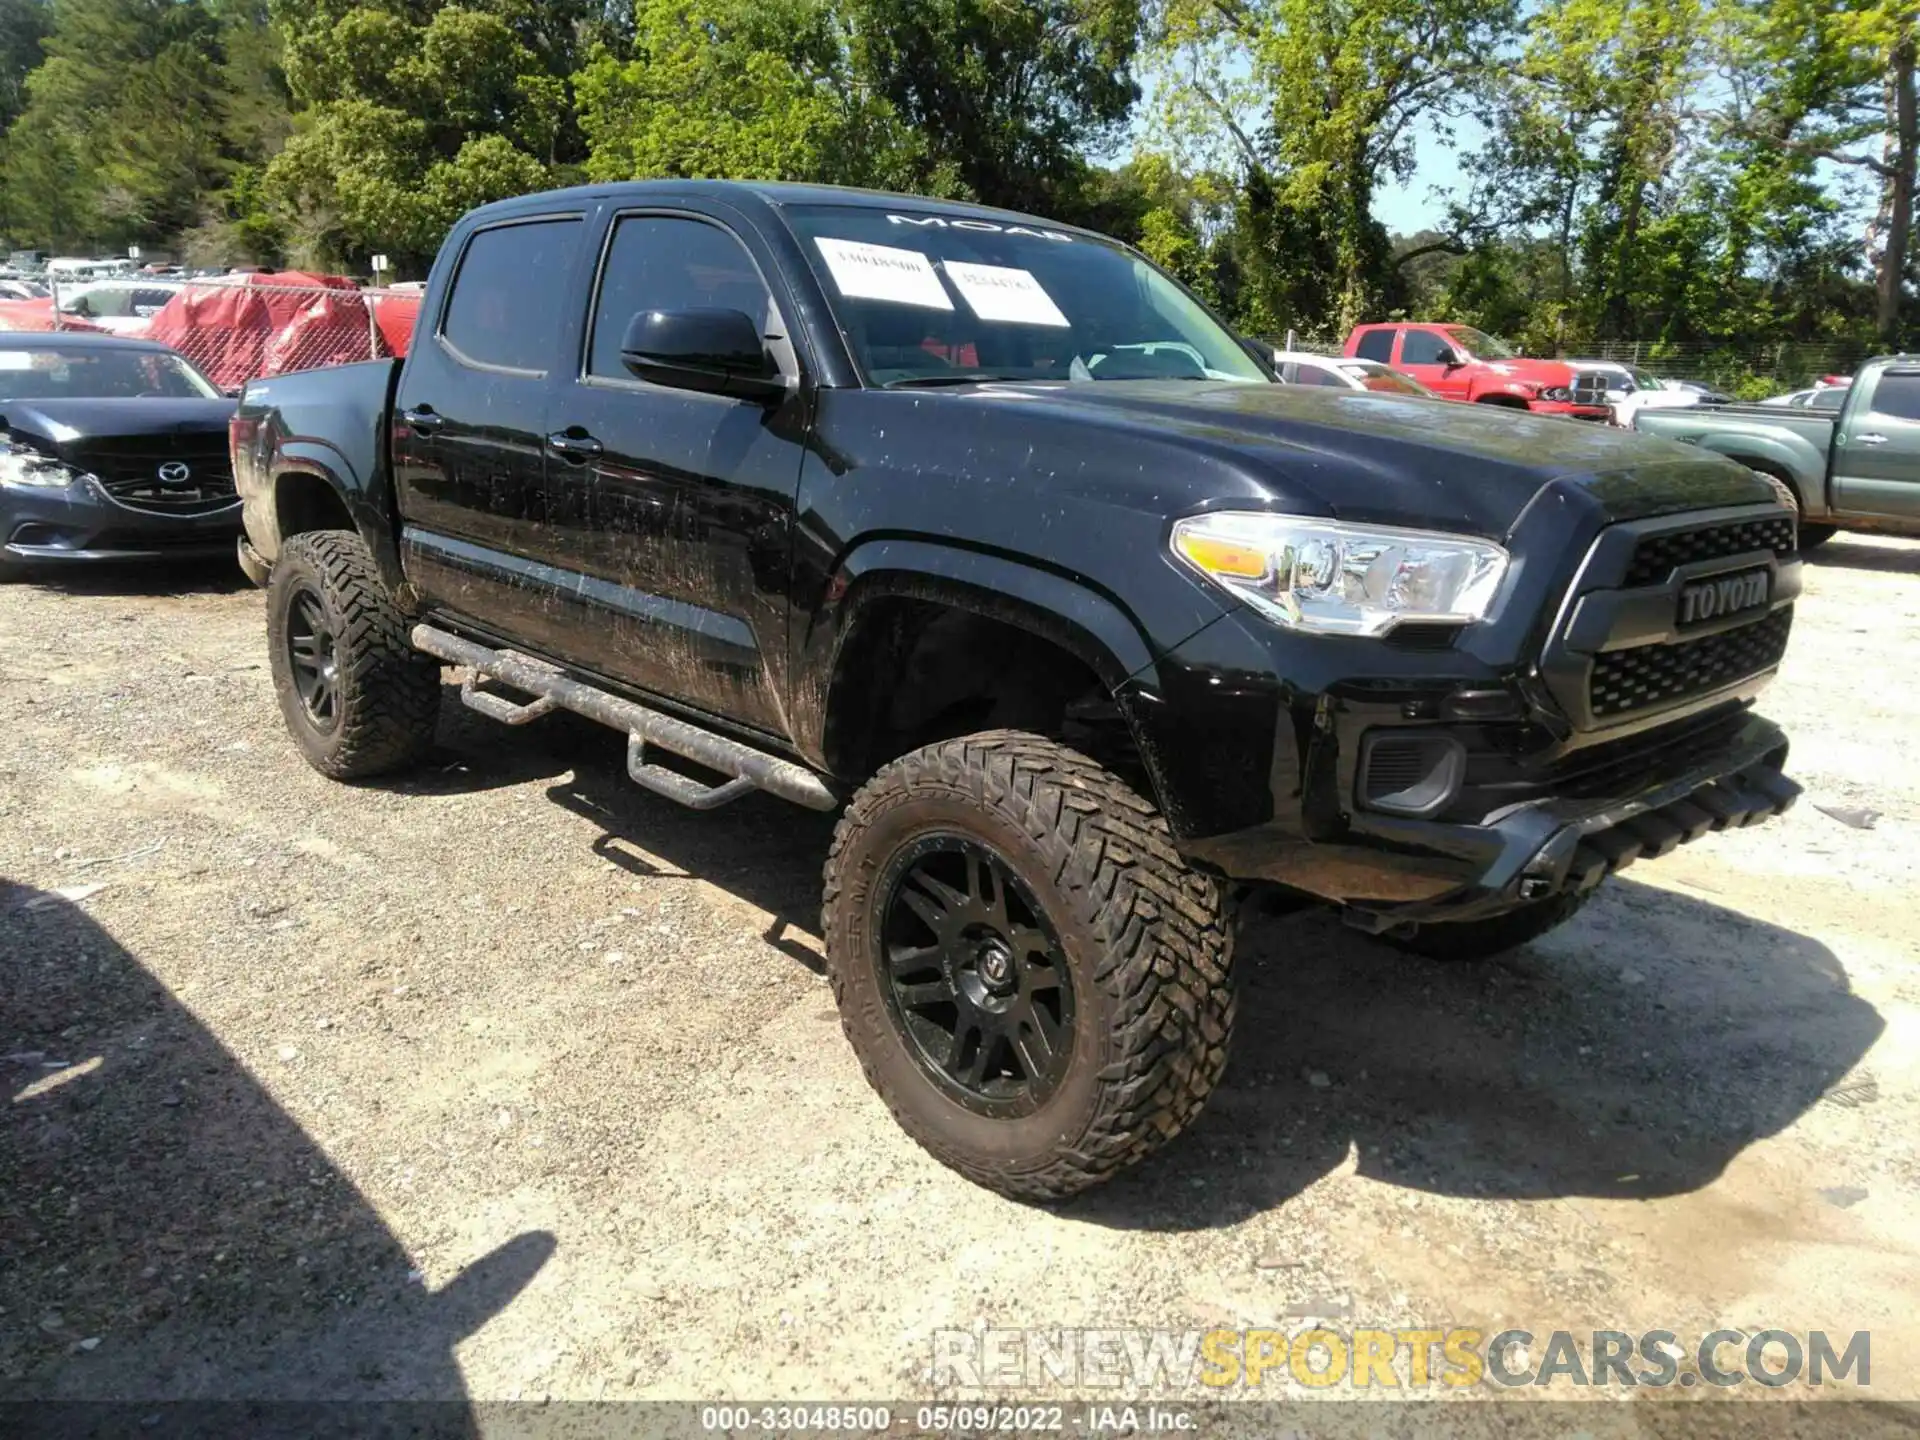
<point>1424,356</point>
<point>686,498</point>
<point>1876,455</point>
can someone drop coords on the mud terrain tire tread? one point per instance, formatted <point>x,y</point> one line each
<point>1160,935</point>
<point>389,692</point>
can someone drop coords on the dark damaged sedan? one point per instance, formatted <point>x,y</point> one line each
<point>115,449</point>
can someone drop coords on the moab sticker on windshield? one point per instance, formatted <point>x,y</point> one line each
<point>881,272</point>
<point>941,222</point>
<point>1004,292</point>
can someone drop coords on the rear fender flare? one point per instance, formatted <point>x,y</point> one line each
<point>326,463</point>
<point>1770,457</point>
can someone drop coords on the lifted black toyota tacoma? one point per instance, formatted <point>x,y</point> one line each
<point>980,530</point>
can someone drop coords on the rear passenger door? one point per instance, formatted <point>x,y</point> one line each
<point>469,428</point>
<point>1876,456</point>
<point>690,495</point>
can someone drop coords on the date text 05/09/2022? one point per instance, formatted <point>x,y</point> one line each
<point>945,1419</point>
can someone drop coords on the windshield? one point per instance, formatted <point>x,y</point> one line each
<point>100,373</point>
<point>932,300</point>
<point>1384,379</point>
<point>1479,344</point>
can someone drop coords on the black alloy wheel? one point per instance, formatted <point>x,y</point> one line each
<point>974,976</point>
<point>313,655</point>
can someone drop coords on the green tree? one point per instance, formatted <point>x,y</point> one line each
<point>1318,104</point>
<point>1007,97</point>
<point>407,116</point>
<point>23,30</point>
<point>122,129</point>
<point>737,89</point>
<point>1817,80</point>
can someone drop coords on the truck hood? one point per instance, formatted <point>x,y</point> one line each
<point>1533,371</point>
<point>1390,459</point>
<point>57,424</point>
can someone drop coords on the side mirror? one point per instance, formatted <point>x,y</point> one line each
<point>719,352</point>
<point>1451,358</point>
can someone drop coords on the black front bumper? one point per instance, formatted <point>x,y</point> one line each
<point>1581,729</point>
<point>1561,845</point>
<point>82,522</point>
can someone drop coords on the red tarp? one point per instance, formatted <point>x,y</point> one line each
<point>395,314</point>
<point>252,325</point>
<point>37,315</point>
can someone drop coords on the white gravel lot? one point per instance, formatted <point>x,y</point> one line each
<point>509,1080</point>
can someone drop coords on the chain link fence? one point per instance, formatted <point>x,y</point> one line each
<point>235,328</point>
<point>1788,364</point>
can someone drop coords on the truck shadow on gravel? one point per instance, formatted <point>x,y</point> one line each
<point>170,577</point>
<point>1862,553</point>
<point>170,1231</point>
<point>1632,1054</point>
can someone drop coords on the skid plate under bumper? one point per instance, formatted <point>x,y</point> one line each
<point>1562,847</point>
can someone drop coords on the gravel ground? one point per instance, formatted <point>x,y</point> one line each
<point>508,1080</point>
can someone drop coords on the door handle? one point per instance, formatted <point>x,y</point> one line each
<point>578,448</point>
<point>1869,439</point>
<point>422,420</point>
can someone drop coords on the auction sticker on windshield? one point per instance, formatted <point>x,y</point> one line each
<point>881,272</point>
<point>1003,292</point>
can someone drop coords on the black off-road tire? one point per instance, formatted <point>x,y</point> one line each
<point>388,693</point>
<point>1468,941</point>
<point>1145,938</point>
<point>1809,537</point>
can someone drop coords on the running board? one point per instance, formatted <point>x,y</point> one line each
<point>751,769</point>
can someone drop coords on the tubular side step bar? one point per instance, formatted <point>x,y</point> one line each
<point>751,769</point>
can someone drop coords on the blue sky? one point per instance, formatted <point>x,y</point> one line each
<point>1403,209</point>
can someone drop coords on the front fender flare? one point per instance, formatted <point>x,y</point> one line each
<point>1079,618</point>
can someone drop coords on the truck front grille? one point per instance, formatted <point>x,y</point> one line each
<point>131,473</point>
<point>1589,388</point>
<point>1648,676</point>
<point>1658,556</point>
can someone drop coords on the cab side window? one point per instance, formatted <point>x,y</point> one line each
<point>1897,395</point>
<point>662,262</point>
<point>511,284</point>
<point>1377,345</point>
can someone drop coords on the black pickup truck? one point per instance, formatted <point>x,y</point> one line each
<point>980,530</point>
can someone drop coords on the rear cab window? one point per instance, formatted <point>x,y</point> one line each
<point>1376,345</point>
<point>511,285</point>
<point>1896,395</point>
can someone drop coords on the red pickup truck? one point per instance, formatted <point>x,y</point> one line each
<point>1460,363</point>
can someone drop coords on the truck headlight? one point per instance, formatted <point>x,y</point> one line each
<point>1555,392</point>
<point>24,465</point>
<point>1333,579</point>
